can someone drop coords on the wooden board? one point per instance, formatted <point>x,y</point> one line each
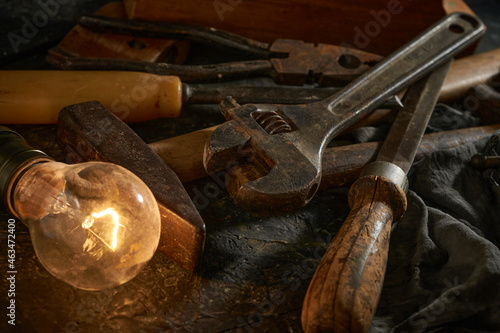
<point>378,26</point>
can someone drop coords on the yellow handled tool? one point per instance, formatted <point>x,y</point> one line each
<point>36,97</point>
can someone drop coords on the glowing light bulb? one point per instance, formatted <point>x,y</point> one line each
<point>93,225</point>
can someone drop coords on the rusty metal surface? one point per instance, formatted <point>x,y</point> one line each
<point>258,94</point>
<point>328,65</point>
<point>289,62</point>
<point>403,140</point>
<point>290,142</point>
<point>89,131</point>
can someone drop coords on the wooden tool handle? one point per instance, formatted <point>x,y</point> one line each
<point>184,153</point>
<point>36,97</point>
<point>468,72</point>
<point>345,290</point>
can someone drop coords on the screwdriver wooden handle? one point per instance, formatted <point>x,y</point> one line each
<point>345,290</point>
<point>36,97</point>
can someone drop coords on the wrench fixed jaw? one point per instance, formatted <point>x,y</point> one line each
<point>289,168</point>
<point>227,147</point>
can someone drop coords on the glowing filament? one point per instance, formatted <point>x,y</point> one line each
<point>90,221</point>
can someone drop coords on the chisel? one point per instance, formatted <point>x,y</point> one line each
<point>346,287</point>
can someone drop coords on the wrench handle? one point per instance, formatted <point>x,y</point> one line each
<point>345,290</point>
<point>402,68</point>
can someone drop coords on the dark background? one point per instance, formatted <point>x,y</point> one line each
<point>250,283</point>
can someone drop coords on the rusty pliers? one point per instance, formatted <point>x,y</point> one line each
<point>289,62</point>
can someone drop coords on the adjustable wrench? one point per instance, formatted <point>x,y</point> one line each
<point>287,141</point>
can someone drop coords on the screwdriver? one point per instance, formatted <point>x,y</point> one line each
<point>37,96</point>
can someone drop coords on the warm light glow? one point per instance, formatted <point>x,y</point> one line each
<point>76,234</point>
<point>87,224</point>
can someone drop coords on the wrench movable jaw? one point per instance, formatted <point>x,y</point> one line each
<point>226,147</point>
<point>288,162</point>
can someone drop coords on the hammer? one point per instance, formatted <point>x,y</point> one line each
<point>89,131</point>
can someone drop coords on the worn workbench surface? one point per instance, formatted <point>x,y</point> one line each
<point>255,270</point>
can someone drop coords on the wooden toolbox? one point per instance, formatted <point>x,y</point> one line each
<point>378,26</point>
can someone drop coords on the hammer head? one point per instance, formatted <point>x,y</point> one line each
<point>265,136</point>
<point>89,131</point>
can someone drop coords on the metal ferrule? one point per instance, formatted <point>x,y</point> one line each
<point>16,156</point>
<point>387,170</point>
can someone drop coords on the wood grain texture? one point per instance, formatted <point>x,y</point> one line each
<point>342,165</point>
<point>132,96</point>
<point>184,153</point>
<point>468,72</point>
<point>89,131</point>
<point>378,26</point>
<point>345,290</point>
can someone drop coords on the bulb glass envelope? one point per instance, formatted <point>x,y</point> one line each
<point>93,225</point>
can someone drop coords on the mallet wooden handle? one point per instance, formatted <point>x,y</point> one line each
<point>36,97</point>
<point>341,165</point>
<point>341,295</point>
<point>184,153</point>
<point>468,72</point>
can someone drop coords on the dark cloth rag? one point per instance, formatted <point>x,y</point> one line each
<point>443,272</point>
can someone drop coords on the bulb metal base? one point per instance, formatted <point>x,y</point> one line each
<point>16,156</point>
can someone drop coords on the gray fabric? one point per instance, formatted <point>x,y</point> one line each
<point>443,118</point>
<point>446,118</point>
<point>443,272</point>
